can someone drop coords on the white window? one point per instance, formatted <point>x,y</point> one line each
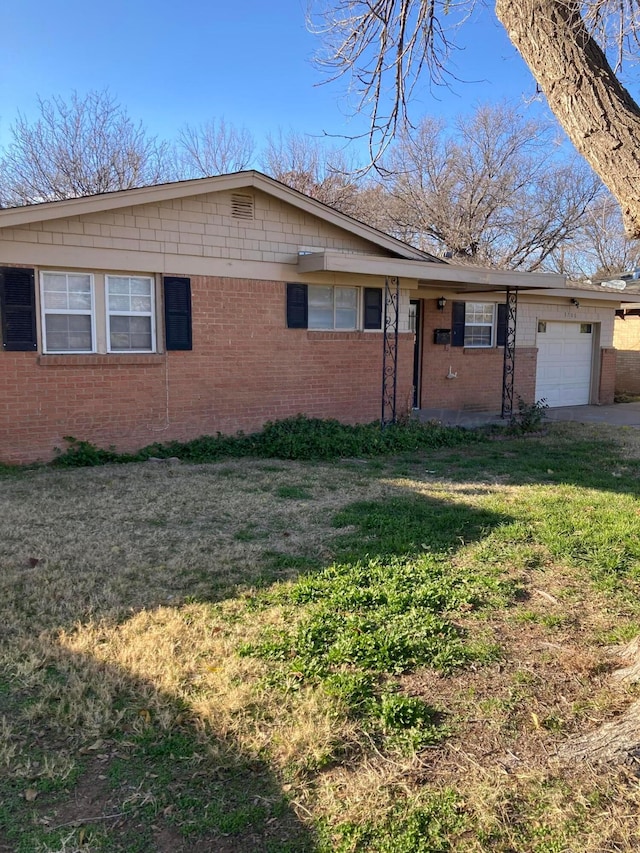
<point>68,312</point>
<point>130,320</point>
<point>332,307</point>
<point>479,324</point>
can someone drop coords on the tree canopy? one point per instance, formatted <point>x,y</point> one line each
<point>575,51</point>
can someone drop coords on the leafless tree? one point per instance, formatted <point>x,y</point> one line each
<point>85,146</point>
<point>386,45</point>
<point>600,249</point>
<point>213,148</point>
<point>489,191</point>
<point>305,164</point>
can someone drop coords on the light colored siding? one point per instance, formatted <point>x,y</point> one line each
<point>202,227</point>
<point>559,311</point>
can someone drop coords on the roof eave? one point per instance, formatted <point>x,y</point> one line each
<point>426,273</point>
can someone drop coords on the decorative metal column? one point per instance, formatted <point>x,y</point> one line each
<point>390,350</point>
<point>509,364</point>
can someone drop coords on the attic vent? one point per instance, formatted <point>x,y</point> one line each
<point>241,206</point>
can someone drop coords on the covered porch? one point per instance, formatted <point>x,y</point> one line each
<point>411,291</point>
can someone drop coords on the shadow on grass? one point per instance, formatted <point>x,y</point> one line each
<point>559,457</point>
<point>140,773</point>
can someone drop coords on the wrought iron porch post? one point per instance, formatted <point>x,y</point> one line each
<point>390,350</point>
<point>508,369</point>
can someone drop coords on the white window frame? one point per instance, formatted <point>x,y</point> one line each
<point>491,325</point>
<point>44,312</point>
<point>109,314</point>
<point>357,308</point>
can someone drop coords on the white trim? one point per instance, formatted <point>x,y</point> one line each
<point>151,314</point>
<point>333,287</point>
<point>44,312</point>
<point>492,325</point>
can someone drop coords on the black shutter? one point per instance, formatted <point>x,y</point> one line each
<point>501,327</point>
<point>457,327</point>
<point>297,306</point>
<point>177,313</point>
<point>18,309</point>
<point>372,308</point>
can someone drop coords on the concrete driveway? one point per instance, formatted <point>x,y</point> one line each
<point>619,414</point>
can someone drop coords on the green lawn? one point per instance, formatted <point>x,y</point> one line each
<point>381,654</point>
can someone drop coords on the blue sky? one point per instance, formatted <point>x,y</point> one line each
<point>248,61</point>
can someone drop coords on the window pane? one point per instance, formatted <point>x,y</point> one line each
<point>117,285</point>
<point>66,291</point>
<point>477,336</point>
<point>118,303</point>
<point>79,284</point>
<point>56,300</point>
<point>320,297</point>
<point>130,333</point>
<point>54,282</point>
<point>346,318</point>
<point>479,312</point>
<point>141,303</point>
<point>68,332</point>
<point>346,297</point>
<point>320,318</point>
<point>141,286</point>
<point>79,302</point>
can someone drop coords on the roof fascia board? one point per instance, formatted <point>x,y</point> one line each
<point>16,216</point>
<point>426,272</point>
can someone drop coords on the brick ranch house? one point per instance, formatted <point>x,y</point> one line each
<point>217,304</point>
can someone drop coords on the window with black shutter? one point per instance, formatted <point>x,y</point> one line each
<point>297,306</point>
<point>372,308</point>
<point>177,313</point>
<point>18,309</point>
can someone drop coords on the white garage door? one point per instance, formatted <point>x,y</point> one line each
<point>563,374</point>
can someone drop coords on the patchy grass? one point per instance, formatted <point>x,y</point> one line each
<point>365,655</point>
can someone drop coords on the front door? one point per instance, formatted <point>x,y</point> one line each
<point>415,316</point>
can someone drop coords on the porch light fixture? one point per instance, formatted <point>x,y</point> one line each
<point>575,302</point>
<point>441,303</point>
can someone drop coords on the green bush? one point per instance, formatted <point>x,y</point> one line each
<point>293,438</point>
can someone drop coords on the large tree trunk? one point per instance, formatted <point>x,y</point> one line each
<point>619,740</point>
<point>600,117</point>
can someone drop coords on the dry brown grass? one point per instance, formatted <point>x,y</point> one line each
<point>137,581</point>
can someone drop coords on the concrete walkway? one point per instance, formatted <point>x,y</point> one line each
<point>620,414</point>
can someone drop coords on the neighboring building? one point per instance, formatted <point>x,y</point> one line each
<point>217,304</point>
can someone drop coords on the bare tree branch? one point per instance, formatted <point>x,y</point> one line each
<point>487,192</point>
<point>214,148</point>
<point>384,46</point>
<point>86,146</point>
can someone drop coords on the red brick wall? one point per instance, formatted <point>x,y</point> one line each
<point>246,368</point>
<point>627,372</point>
<point>607,376</point>
<point>478,383</point>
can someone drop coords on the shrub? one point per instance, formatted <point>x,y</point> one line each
<point>293,438</point>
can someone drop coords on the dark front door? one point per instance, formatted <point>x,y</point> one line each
<point>415,324</point>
